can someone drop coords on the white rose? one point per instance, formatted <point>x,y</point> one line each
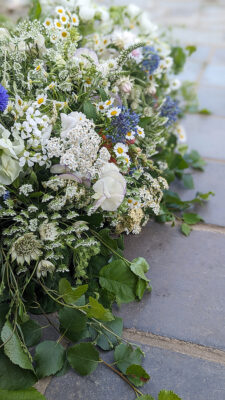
<point>9,164</point>
<point>86,13</point>
<point>110,189</point>
<point>133,10</point>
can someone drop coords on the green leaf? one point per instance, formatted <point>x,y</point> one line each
<point>26,394</point>
<point>145,397</point>
<point>13,348</point>
<point>117,278</point>
<point>4,308</point>
<point>49,357</point>
<point>205,111</point>
<point>32,332</point>
<point>125,356</point>
<point>12,377</point>
<point>179,58</point>
<point>103,94</point>
<point>71,295</point>
<point>185,229</point>
<point>72,323</point>
<point>97,311</point>
<point>84,358</point>
<point>106,340</point>
<point>35,10</point>
<point>191,49</point>
<point>137,375</point>
<point>89,110</point>
<point>139,267</point>
<point>191,218</point>
<point>168,395</point>
<point>141,287</point>
<point>188,182</point>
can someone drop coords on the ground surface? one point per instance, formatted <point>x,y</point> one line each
<point>181,324</point>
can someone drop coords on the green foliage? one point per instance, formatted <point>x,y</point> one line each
<point>26,394</point>
<point>168,395</point>
<point>191,218</point>
<point>137,375</point>
<point>35,10</point>
<point>84,358</point>
<point>72,323</point>
<point>117,278</point>
<point>31,332</point>
<point>188,182</point>
<point>89,110</point>
<point>12,377</point>
<point>205,111</point>
<point>194,160</point>
<point>191,49</point>
<point>71,295</point>
<point>108,340</point>
<point>145,397</point>
<point>125,356</point>
<point>179,58</point>
<point>185,229</point>
<point>49,358</point>
<point>13,347</point>
<point>96,310</point>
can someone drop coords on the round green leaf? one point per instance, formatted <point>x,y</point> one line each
<point>96,310</point>
<point>72,323</point>
<point>13,348</point>
<point>139,267</point>
<point>71,295</point>
<point>31,332</point>
<point>137,375</point>
<point>84,358</point>
<point>26,394</point>
<point>13,377</point>
<point>125,356</point>
<point>168,395</point>
<point>49,357</point>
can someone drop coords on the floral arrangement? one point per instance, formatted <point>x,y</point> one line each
<point>90,140</point>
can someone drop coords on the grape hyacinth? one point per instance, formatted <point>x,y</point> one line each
<point>170,110</point>
<point>4,98</point>
<point>126,121</point>
<point>151,60</point>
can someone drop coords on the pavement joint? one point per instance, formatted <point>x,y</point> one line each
<point>209,228</point>
<point>178,346</point>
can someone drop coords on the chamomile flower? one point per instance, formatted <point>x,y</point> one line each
<point>54,37</point>
<point>38,68</point>
<point>64,19</point>
<point>88,82</point>
<point>126,160</point>
<point>64,34</point>
<point>109,102</point>
<point>48,23</point>
<point>60,10</point>
<point>181,133</point>
<point>75,20</point>
<point>113,112</point>
<point>41,100</point>
<point>130,135</point>
<point>140,132</point>
<point>51,86</point>
<point>58,24</point>
<point>101,106</point>
<point>120,149</point>
<point>175,84</point>
<point>130,202</point>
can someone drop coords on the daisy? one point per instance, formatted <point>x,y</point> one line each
<point>113,112</point>
<point>130,135</point>
<point>64,35</point>
<point>181,133</point>
<point>64,19</point>
<point>120,149</point>
<point>127,160</point>
<point>60,10</point>
<point>101,106</point>
<point>58,24</point>
<point>54,37</point>
<point>75,20</point>
<point>130,202</point>
<point>41,99</point>
<point>51,86</point>
<point>48,23</point>
<point>140,132</point>
<point>109,102</point>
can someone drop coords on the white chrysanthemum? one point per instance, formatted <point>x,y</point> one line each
<point>130,135</point>
<point>26,189</point>
<point>140,132</point>
<point>86,13</point>
<point>48,231</point>
<point>113,112</point>
<point>123,39</point>
<point>181,133</point>
<point>120,149</point>
<point>26,248</point>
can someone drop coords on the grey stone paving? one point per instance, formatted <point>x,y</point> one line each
<point>188,274</point>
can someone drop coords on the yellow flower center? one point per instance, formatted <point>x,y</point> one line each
<point>130,201</point>
<point>101,107</point>
<point>48,23</point>
<point>120,150</point>
<point>74,20</point>
<point>60,10</point>
<point>113,112</point>
<point>41,100</point>
<point>64,18</point>
<point>20,102</point>
<point>64,34</point>
<point>38,68</point>
<point>58,24</point>
<point>88,81</point>
<point>108,103</point>
<point>128,133</point>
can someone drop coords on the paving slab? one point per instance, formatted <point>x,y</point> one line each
<point>214,74</point>
<point>212,98</point>
<point>189,377</point>
<point>212,179</point>
<point>188,280</point>
<point>206,134</point>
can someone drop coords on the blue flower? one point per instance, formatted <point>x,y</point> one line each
<point>125,122</point>
<point>151,59</point>
<point>170,110</point>
<point>6,195</point>
<point>4,98</point>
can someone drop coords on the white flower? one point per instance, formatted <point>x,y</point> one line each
<point>48,23</point>
<point>64,19</point>
<point>110,189</point>
<point>120,149</point>
<point>60,10</point>
<point>70,121</point>
<point>130,135</point>
<point>41,99</point>
<point>26,189</point>
<point>181,133</point>
<point>58,24</point>
<point>44,266</point>
<point>140,132</point>
<point>123,39</point>
<point>75,19</point>
<point>48,231</point>
<point>113,112</point>
<point>133,10</point>
<point>26,158</point>
<point>125,84</point>
<point>86,13</point>
<point>175,84</point>
<point>9,164</point>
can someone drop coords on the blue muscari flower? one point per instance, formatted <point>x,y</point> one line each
<point>151,59</point>
<point>125,122</point>
<point>170,110</point>
<point>6,195</point>
<point>4,98</point>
